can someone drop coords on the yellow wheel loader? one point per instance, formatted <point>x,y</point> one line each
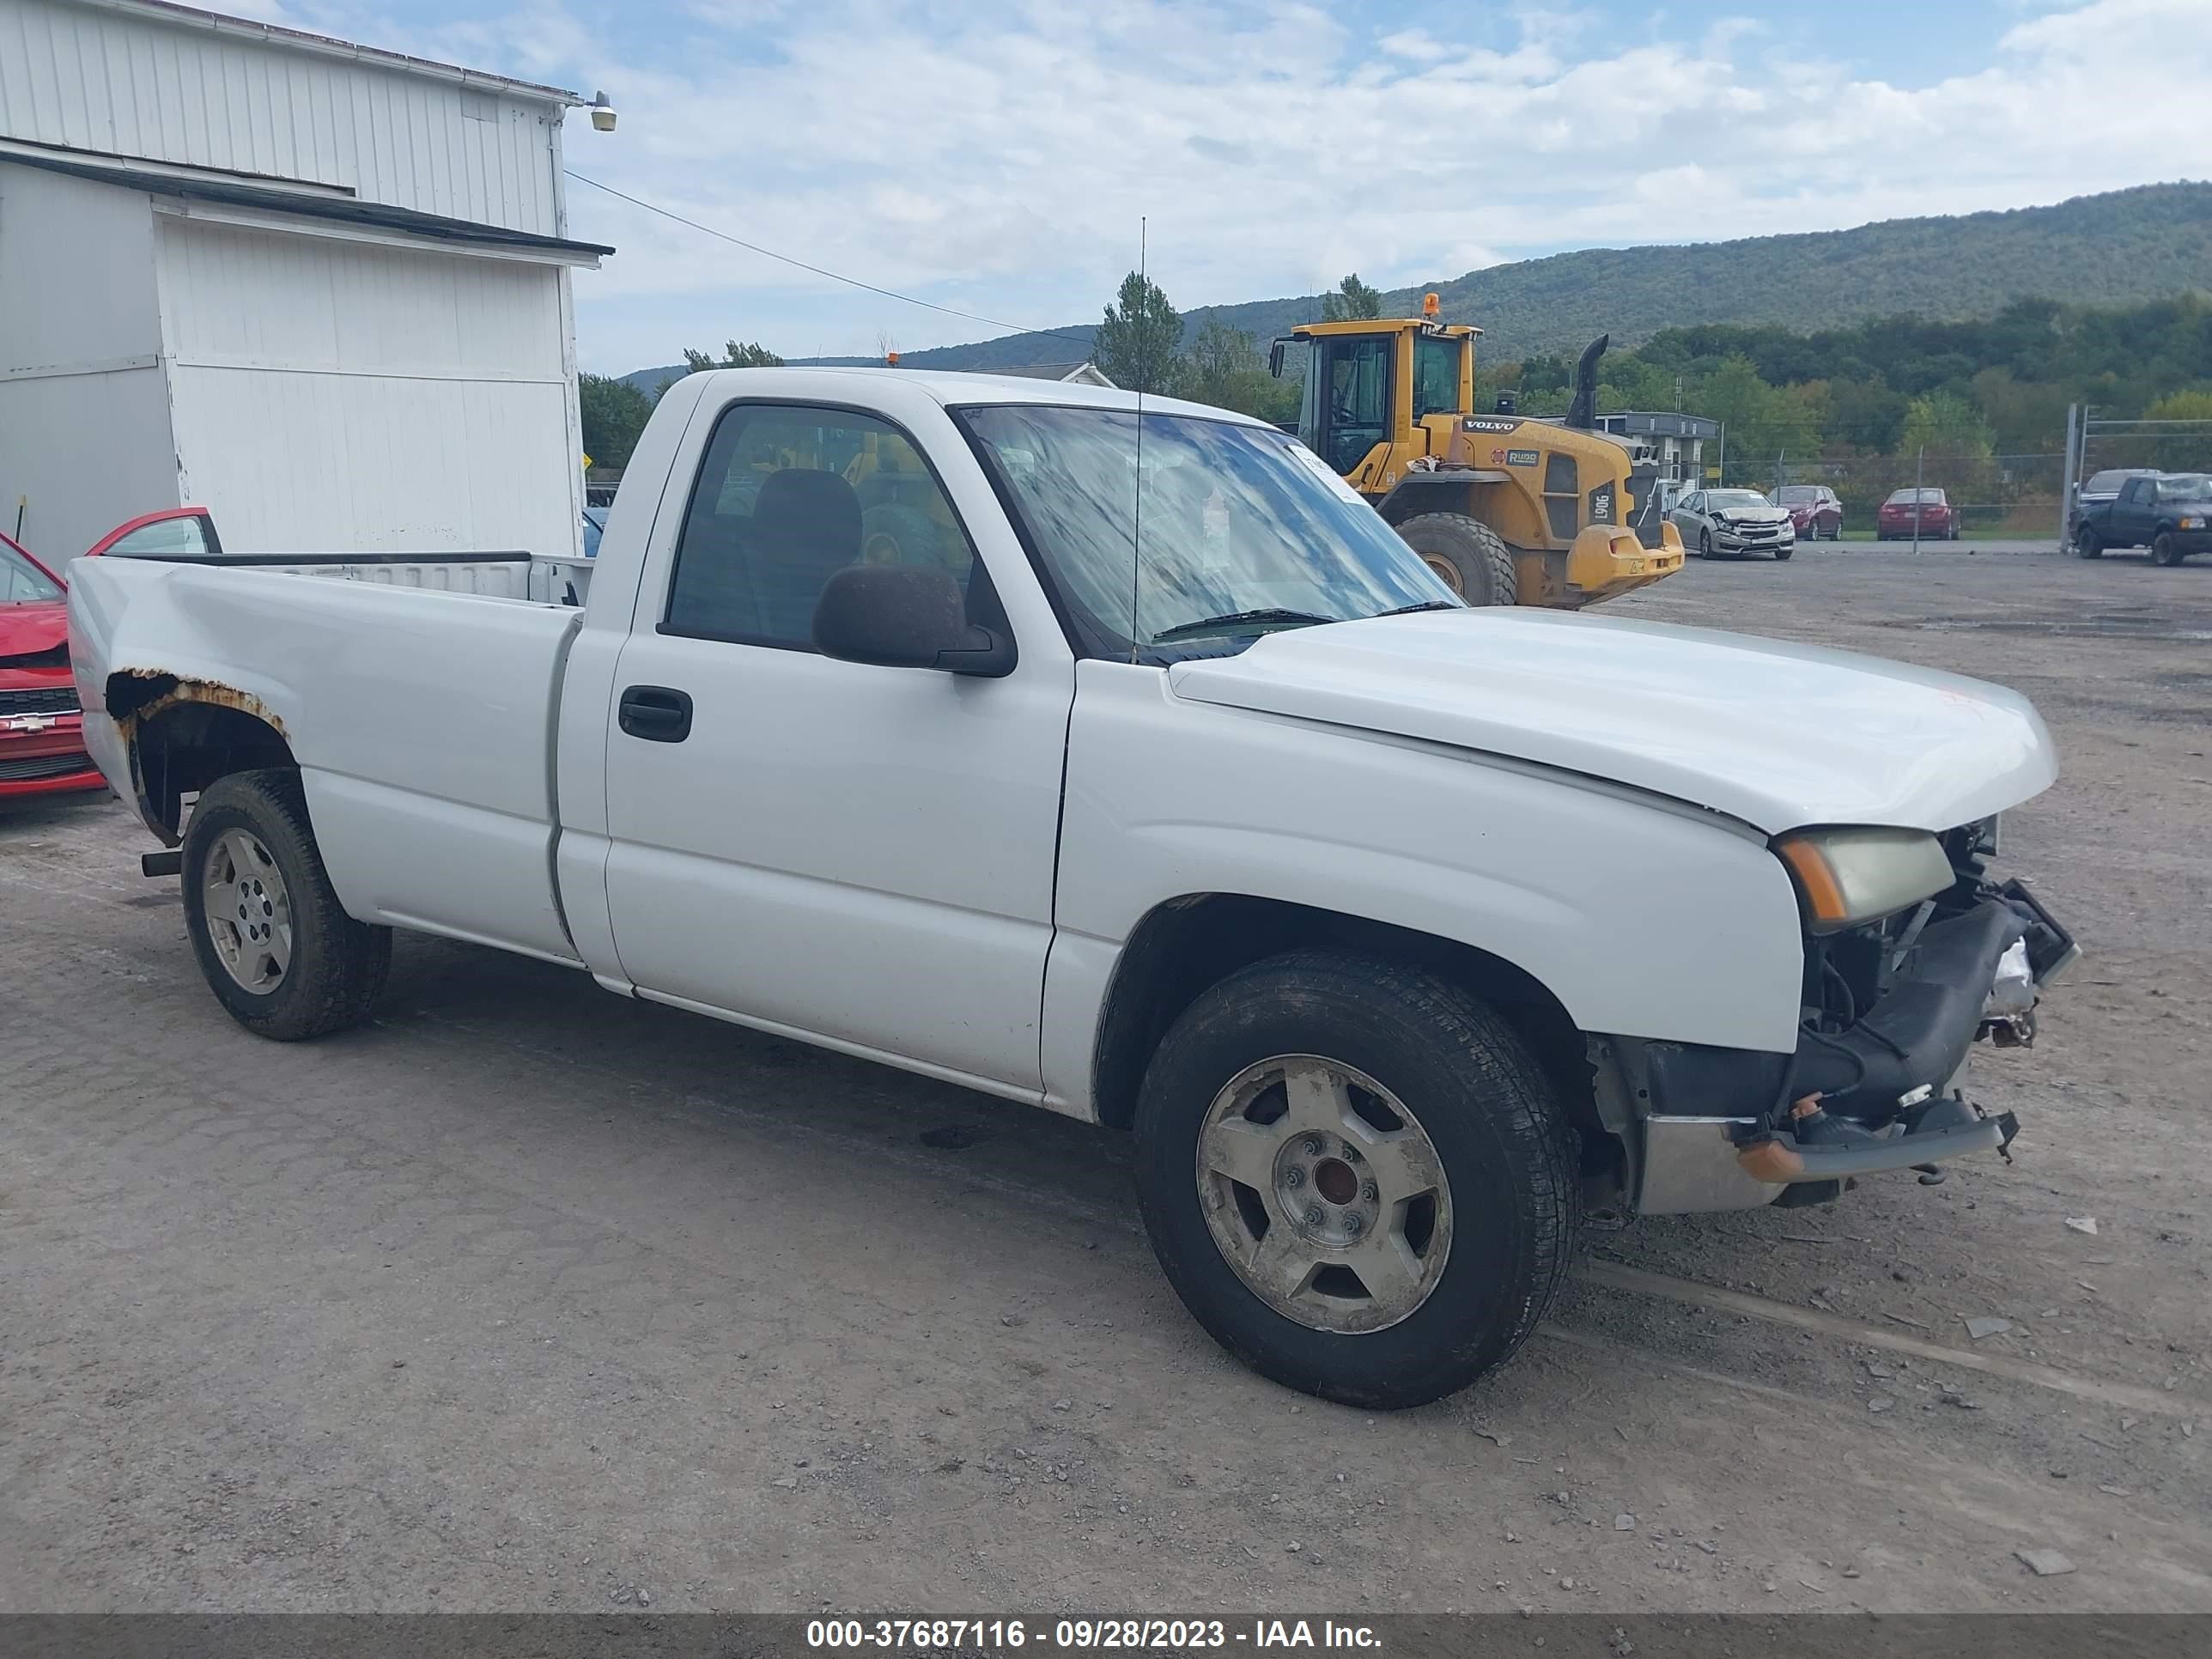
<point>1507,509</point>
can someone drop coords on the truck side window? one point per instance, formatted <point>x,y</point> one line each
<point>787,496</point>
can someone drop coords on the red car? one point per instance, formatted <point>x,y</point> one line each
<point>1938,520</point>
<point>167,533</point>
<point>1815,512</point>
<point>41,737</point>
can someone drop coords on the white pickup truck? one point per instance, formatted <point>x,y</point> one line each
<point>1129,765</point>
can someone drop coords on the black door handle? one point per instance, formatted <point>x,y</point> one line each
<point>655,712</point>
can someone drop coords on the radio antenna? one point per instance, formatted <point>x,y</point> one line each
<point>1137,519</point>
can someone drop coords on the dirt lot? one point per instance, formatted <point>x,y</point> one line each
<point>528,1298</point>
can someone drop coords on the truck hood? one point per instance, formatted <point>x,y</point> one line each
<point>1777,735</point>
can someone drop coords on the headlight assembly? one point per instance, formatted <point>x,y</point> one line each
<point>1850,877</point>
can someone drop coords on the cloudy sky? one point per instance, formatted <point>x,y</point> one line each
<point>996,156</point>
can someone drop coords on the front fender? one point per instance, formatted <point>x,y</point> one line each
<point>1642,917</point>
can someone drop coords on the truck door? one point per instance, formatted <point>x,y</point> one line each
<point>2132,512</point>
<point>851,853</point>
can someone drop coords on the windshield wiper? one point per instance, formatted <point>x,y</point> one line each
<point>1426,604</point>
<point>1236,619</point>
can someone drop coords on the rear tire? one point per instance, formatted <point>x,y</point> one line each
<point>274,945</point>
<point>1473,559</point>
<point>1480,1139</point>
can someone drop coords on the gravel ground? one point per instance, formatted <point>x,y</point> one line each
<point>528,1298</point>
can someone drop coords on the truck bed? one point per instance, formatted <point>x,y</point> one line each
<point>420,718</point>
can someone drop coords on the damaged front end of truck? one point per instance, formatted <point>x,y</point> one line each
<point>1892,1005</point>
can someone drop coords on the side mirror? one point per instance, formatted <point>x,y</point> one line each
<point>907,617</point>
<point>1275,360</point>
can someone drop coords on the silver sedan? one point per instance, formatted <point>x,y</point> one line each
<point>1733,521</point>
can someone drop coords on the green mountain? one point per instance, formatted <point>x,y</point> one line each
<point>2117,248</point>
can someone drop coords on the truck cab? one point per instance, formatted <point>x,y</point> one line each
<point>2168,513</point>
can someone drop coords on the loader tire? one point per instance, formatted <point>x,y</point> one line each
<point>274,945</point>
<point>1473,559</point>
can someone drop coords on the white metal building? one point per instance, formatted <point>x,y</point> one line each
<point>321,288</point>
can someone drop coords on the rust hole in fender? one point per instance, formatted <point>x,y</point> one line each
<point>136,696</point>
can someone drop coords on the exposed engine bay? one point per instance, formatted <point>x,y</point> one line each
<point>1889,1013</point>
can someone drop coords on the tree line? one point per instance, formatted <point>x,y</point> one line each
<point>1885,388</point>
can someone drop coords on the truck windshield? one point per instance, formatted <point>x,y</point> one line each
<point>1242,528</point>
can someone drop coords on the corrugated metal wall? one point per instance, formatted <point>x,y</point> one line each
<point>84,409</point>
<point>143,86</point>
<point>342,397</point>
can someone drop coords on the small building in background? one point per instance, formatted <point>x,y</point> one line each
<point>1085,373</point>
<point>321,288</point>
<point>1685,448</point>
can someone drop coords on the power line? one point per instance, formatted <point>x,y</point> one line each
<point>835,276</point>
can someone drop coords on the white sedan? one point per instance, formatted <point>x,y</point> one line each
<point>1733,521</point>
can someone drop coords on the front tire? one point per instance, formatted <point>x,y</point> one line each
<point>2166,550</point>
<point>1356,1176</point>
<point>1470,556</point>
<point>1704,543</point>
<point>274,945</point>
<point>1782,554</point>
<point>2087,546</point>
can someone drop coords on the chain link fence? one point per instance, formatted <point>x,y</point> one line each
<point>2163,446</point>
<point>1999,496</point>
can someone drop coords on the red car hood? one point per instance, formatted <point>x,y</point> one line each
<point>27,630</point>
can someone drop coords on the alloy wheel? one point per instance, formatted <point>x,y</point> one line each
<point>1324,1193</point>
<point>249,913</point>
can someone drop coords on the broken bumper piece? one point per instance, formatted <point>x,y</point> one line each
<point>1886,1089</point>
<point>1937,1130</point>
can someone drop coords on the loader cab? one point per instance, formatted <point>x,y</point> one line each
<point>1506,509</point>
<point>1369,386</point>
